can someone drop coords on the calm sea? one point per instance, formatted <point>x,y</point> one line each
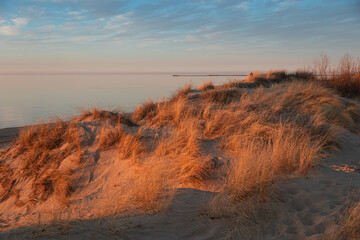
<point>27,99</point>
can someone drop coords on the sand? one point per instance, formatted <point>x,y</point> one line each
<point>300,207</point>
<point>307,207</point>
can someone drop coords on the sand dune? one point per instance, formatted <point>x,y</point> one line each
<point>170,170</point>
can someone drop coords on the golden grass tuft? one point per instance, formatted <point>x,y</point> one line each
<point>258,164</point>
<point>128,145</point>
<point>221,96</point>
<point>131,146</point>
<point>208,85</point>
<point>145,110</point>
<point>109,136</point>
<point>181,93</point>
<point>38,149</point>
<point>97,115</point>
<point>55,182</point>
<point>183,152</point>
<point>154,187</point>
<point>348,224</point>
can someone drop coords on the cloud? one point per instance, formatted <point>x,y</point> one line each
<point>13,28</point>
<point>186,24</point>
<point>243,6</point>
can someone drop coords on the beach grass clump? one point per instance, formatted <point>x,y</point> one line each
<point>98,115</point>
<point>41,149</point>
<point>145,110</point>
<point>235,83</point>
<point>53,182</point>
<point>258,164</point>
<point>154,187</point>
<point>208,85</point>
<point>221,96</point>
<point>182,93</point>
<point>174,112</point>
<point>131,146</point>
<point>109,136</point>
<point>348,224</point>
<point>182,150</point>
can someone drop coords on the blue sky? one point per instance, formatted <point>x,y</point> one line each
<point>173,35</point>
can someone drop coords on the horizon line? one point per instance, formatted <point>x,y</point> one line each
<point>199,73</point>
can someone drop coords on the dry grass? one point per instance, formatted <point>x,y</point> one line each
<point>182,150</point>
<point>55,182</point>
<point>257,164</point>
<point>98,115</point>
<point>269,132</point>
<point>208,85</point>
<point>181,93</point>
<point>154,186</point>
<point>7,181</point>
<point>145,110</point>
<point>345,77</point>
<point>279,74</point>
<point>348,225</point>
<point>131,146</point>
<point>238,84</point>
<point>109,136</point>
<point>283,126</point>
<point>257,79</point>
<point>221,96</point>
<point>39,150</point>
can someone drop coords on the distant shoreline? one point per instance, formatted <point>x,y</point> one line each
<point>209,75</point>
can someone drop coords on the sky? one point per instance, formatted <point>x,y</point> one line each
<point>93,36</point>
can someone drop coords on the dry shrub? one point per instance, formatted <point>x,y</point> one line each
<point>321,66</point>
<point>303,75</point>
<point>145,110</point>
<point>345,77</point>
<point>98,115</point>
<point>347,85</point>
<point>208,85</point>
<point>348,225</point>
